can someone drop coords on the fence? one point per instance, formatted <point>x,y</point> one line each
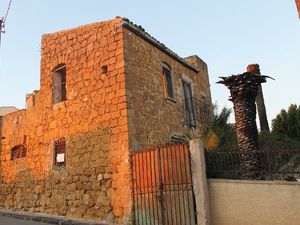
<point>162,186</point>
<point>277,164</point>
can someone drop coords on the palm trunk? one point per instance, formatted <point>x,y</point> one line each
<point>260,102</point>
<point>247,138</point>
<point>243,89</point>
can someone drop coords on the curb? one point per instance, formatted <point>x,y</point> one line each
<point>44,218</point>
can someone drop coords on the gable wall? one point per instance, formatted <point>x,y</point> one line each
<point>152,117</point>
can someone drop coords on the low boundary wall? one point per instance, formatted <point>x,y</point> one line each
<point>239,202</point>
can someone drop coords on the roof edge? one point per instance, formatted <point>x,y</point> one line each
<point>13,112</point>
<point>141,33</point>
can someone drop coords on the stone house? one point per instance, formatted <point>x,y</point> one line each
<point>7,109</point>
<point>105,89</point>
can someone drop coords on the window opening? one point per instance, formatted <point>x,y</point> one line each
<point>168,82</point>
<point>18,151</point>
<point>189,104</point>
<point>60,152</point>
<point>59,84</point>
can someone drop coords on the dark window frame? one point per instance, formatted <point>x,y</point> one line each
<point>168,82</point>
<point>59,83</point>
<point>18,152</point>
<point>59,147</point>
<point>189,107</point>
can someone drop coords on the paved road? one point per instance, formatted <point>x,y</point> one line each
<point>13,221</point>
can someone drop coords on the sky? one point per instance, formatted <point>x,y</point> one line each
<point>228,35</point>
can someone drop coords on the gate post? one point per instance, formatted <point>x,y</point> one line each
<point>199,181</point>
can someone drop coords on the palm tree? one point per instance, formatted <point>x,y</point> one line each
<point>243,89</point>
<point>222,133</point>
<point>260,103</point>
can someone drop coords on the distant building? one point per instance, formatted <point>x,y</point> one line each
<point>7,109</point>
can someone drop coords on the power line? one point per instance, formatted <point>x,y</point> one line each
<point>7,10</point>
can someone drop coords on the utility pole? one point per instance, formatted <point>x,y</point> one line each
<point>1,28</point>
<point>2,21</point>
<point>2,25</point>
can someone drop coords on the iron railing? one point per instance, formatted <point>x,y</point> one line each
<point>276,164</point>
<point>199,113</point>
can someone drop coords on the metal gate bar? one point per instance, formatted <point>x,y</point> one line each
<point>162,186</point>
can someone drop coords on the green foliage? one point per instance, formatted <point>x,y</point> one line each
<point>285,133</point>
<point>286,130</point>
<point>224,131</point>
<point>273,142</point>
<point>286,126</point>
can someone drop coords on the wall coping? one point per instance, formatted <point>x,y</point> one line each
<point>267,182</point>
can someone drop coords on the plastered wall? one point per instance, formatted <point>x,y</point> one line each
<point>254,202</point>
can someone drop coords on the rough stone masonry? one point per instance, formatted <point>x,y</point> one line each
<point>114,102</point>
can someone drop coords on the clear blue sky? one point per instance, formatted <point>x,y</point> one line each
<point>228,35</point>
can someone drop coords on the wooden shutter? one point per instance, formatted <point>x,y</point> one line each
<point>168,83</point>
<point>59,84</point>
<point>189,104</point>
<point>56,87</point>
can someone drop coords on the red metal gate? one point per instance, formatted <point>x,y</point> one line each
<point>162,186</point>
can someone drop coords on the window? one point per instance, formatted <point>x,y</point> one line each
<point>60,152</point>
<point>59,84</point>
<point>18,151</point>
<point>168,86</point>
<point>189,104</point>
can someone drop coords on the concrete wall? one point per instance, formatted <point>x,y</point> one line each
<point>254,202</point>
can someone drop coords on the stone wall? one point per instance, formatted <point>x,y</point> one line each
<point>0,148</point>
<point>153,118</point>
<point>95,182</point>
<point>114,103</point>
